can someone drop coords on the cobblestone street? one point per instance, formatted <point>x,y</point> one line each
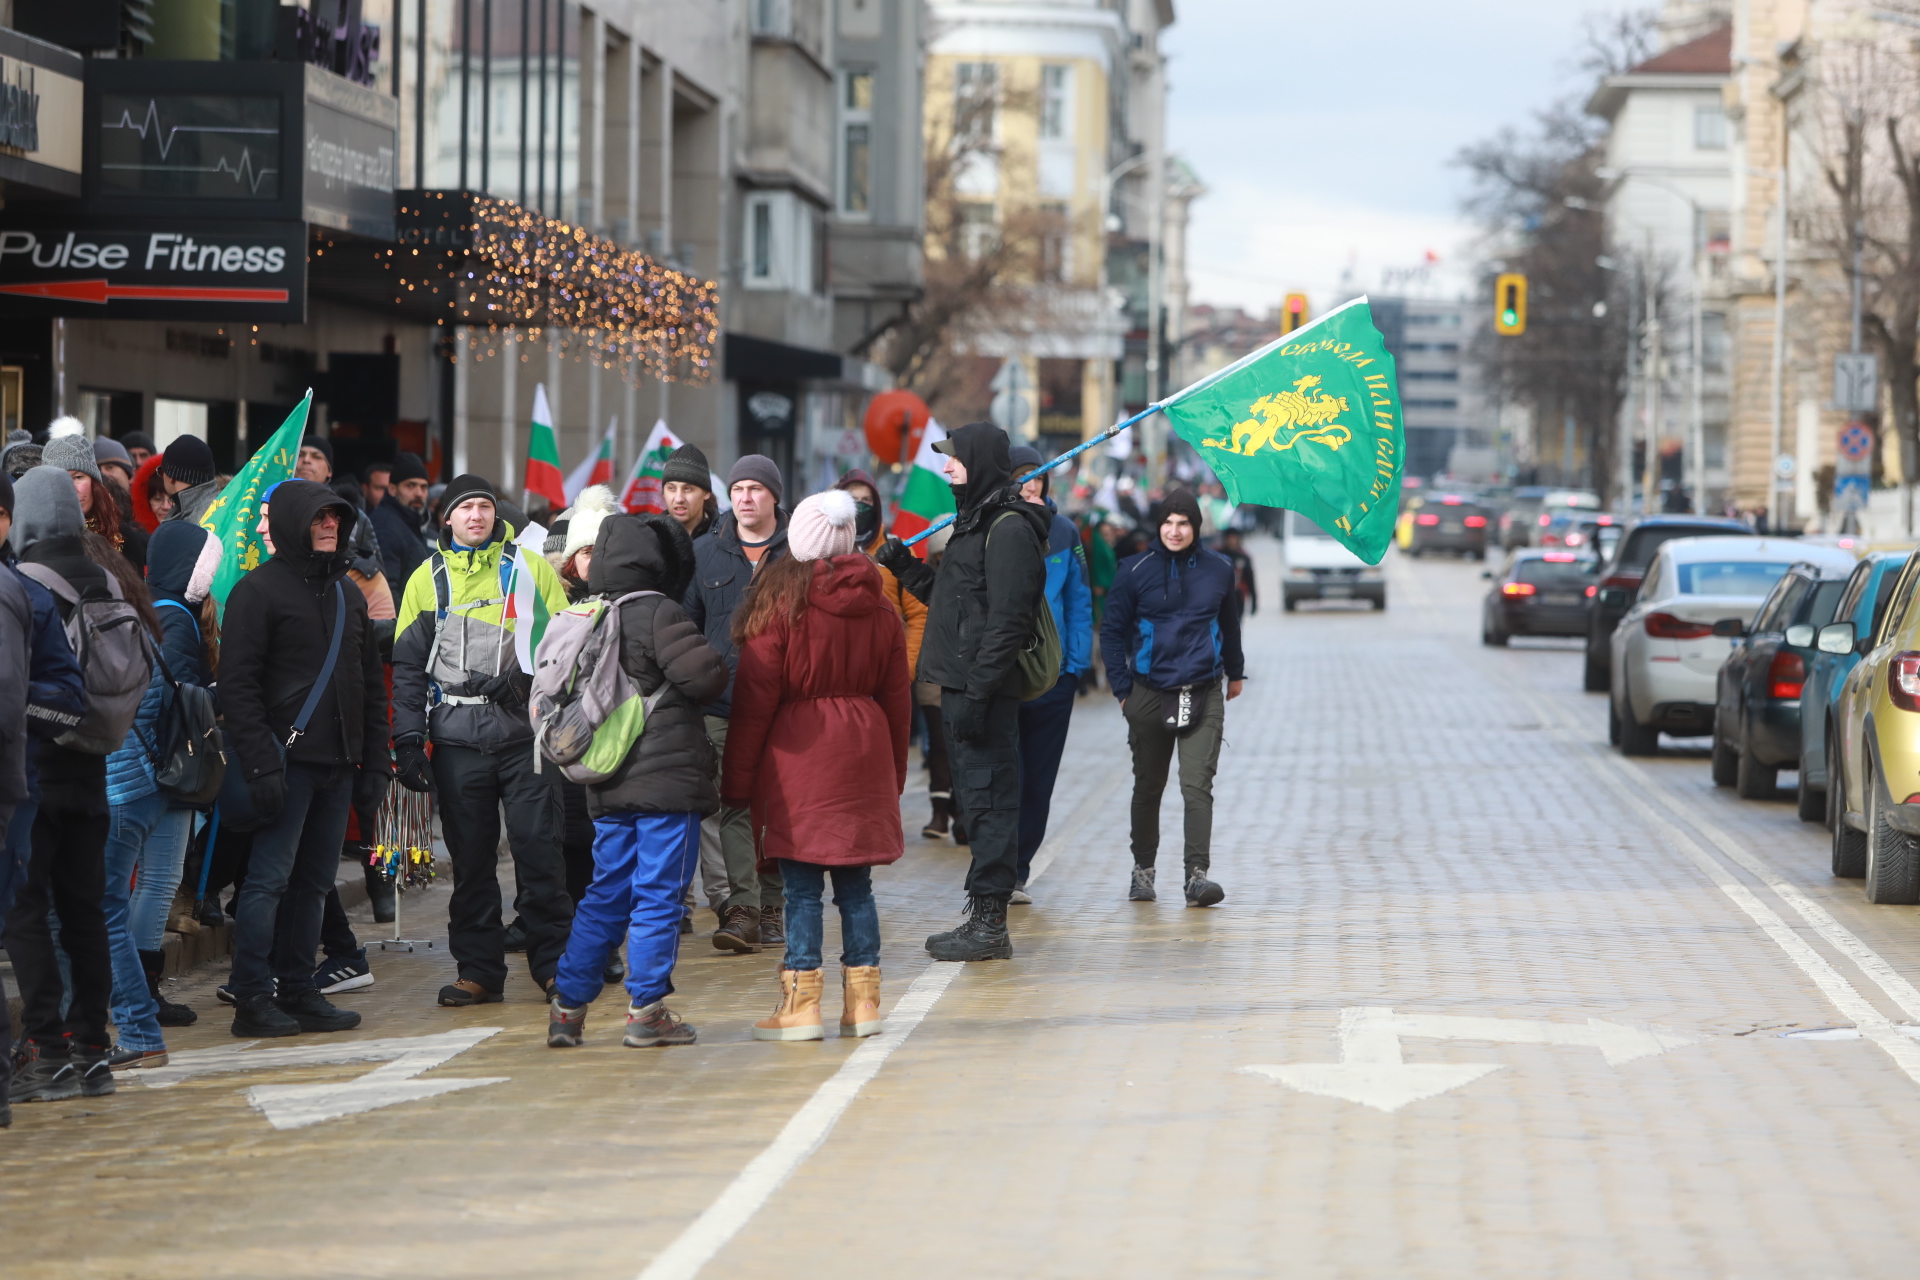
<point>1484,999</point>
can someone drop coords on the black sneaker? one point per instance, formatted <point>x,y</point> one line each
<point>45,1080</point>
<point>260,1017</point>
<point>982,937</point>
<point>1202,892</point>
<point>95,1068</point>
<point>224,993</point>
<point>516,936</point>
<point>314,1012</point>
<point>347,973</point>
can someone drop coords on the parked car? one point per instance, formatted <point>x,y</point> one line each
<point>1568,526</point>
<point>1541,593</point>
<point>1864,604</point>
<point>1449,522</point>
<point>1619,584</point>
<point>1666,651</point>
<point>1517,517</point>
<point>1873,748</point>
<point>1757,716</point>
<point>1319,568</point>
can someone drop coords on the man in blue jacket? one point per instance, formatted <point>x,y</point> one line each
<point>1172,628</point>
<point>1043,720</point>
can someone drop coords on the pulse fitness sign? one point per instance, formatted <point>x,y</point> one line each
<point>204,270</point>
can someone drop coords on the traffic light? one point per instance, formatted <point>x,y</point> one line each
<point>1510,304</point>
<point>1293,313</point>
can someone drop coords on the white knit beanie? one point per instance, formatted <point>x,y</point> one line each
<point>595,503</point>
<point>822,526</point>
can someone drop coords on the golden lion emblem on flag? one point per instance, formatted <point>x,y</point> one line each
<point>1283,419</point>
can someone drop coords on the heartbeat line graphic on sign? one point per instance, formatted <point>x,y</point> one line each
<point>148,127</point>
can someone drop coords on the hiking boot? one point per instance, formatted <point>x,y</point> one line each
<point>260,1017</point>
<point>314,1012</point>
<point>936,828</point>
<point>45,1079</point>
<point>1020,897</point>
<point>860,1001</point>
<point>152,963</point>
<point>458,995</point>
<point>124,1059</point>
<point>739,931</point>
<point>565,1027</point>
<point>348,973</point>
<point>1202,892</point>
<point>655,1024</point>
<point>95,1069</point>
<point>1141,890</point>
<point>773,926</point>
<point>982,937</point>
<point>797,1016</point>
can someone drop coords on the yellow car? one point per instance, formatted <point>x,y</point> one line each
<point>1873,753</point>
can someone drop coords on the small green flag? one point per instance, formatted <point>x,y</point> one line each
<point>1310,422</point>
<point>236,512</point>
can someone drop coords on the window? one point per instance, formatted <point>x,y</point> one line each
<point>1431,375</point>
<point>1730,577</point>
<point>175,418</point>
<point>1432,404</point>
<point>1710,128</point>
<point>976,87</point>
<point>1056,243</point>
<point>760,256</point>
<point>856,143</point>
<point>783,247</point>
<point>978,234</point>
<point>772,18</point>
<point>1056,106</point>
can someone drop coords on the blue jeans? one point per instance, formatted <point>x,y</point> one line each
<point>642,865</point>
<point>144,837</point>
<point>859,918</point>
<point>277,921</point>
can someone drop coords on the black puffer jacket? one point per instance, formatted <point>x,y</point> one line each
<point>721,577</point>
<point>670,770</point>
<point>273,642</point>
<point>993,576</point>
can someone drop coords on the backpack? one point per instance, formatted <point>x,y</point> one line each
<point>587,712</point>
<point>189,753</point>
<point>1038,662</point>
<point>113,650</point>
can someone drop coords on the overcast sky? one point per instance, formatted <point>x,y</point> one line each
<point>1323,133</point>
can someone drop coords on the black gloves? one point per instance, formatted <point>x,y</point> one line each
<point>896,556</point>
<point>968,720</point>
<point>509,691</point>
<point>370,790</point>
<point>269,795</point>
<point>410,765</point>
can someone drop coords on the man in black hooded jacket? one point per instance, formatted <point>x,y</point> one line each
<point>278,627</point>
<point>980,610</point>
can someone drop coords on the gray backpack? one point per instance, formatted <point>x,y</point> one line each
<point>586,710</point>
<point>116,661</point>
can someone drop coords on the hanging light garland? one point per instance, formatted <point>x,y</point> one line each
<point>492,264</point>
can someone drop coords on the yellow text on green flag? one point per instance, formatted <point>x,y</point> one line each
<point>234,517</point>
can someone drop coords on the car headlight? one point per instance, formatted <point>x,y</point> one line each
<point>1299,573</point>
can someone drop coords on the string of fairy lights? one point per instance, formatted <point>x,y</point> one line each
<point>494,265</point>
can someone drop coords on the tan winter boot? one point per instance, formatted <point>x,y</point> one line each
<point>798,1017</point>
<point>860,993</point>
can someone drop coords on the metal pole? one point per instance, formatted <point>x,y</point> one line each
<point>525,85</point>
<point>540,154</point>
<point>1623,438</point>
<point>1653,393</point>
<point>486,95</point>
<point>1698,446</point>
<point>1779,349</point>
<point>420,97</point>
<point>466,33</point>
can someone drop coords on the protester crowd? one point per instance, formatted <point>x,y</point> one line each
<point>723,694</point>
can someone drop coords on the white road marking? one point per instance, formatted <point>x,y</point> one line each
<point>802,1136</point>
<point>1371,1072</point>
<point>308,1053</point>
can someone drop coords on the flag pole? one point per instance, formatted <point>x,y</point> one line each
<point>1041,470</point>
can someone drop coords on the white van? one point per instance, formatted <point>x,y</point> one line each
<point>1319,568</point>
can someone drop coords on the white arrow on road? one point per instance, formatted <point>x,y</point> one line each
<point>1370,1070</point>
<point>294,1106</point>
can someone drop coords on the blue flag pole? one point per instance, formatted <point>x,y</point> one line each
<point>1074,452</point>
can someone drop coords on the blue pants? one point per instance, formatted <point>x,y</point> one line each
<point>642,865</point>
<point>1043,738</point>
<point>859,918</point>
<point>146,837</point>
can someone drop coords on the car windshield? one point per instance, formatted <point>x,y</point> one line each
<point>1729,577</point>
<point>1554,573</point>
<point>1643,542</point>
<point>1298,526</point>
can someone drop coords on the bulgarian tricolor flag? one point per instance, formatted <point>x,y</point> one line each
<point>927,496</point>
<point>643,485</point>
<point>527,610</point>
<point>595,468</point>
<point>543,456</point>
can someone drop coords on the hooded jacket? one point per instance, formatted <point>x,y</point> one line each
<point>191,504</point>
<point>396,528</point>
<point>721,574</point>
<point>817,743</point>
<point>434,657</point>
<point>911,611</point>
<point>16,641</point>
<point>670,769</point>
<point>274,635</point>
<point>1172,620</point>
<point>174,553</point>
<point>980,604</point>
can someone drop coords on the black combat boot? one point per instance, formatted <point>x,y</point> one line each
<point>982,937</point>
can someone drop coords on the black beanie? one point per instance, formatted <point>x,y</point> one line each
<point>137,440</point>
<point>406,467</point>
<point>1025,458</point>
<point>1178,502</point>
<point>188,460</point>
<point>468,486</point>
<point>322,444</point>
<point>689,466</point>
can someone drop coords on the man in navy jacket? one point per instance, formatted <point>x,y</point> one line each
<point>1172,628</point>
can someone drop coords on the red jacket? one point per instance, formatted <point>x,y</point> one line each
<point>817,741</point>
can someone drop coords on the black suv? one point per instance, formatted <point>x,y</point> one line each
<point>1620,581</point>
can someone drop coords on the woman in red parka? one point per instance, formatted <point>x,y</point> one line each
<point>817,748</point>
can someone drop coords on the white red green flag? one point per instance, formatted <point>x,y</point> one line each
<point>543,455</point>
<point>527,609</point>
<point>927,496</point>
<point>642,492</point>
<point>595,468</point>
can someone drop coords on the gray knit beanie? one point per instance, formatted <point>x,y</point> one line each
<point>71,453</point>
<point>761,470</point>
